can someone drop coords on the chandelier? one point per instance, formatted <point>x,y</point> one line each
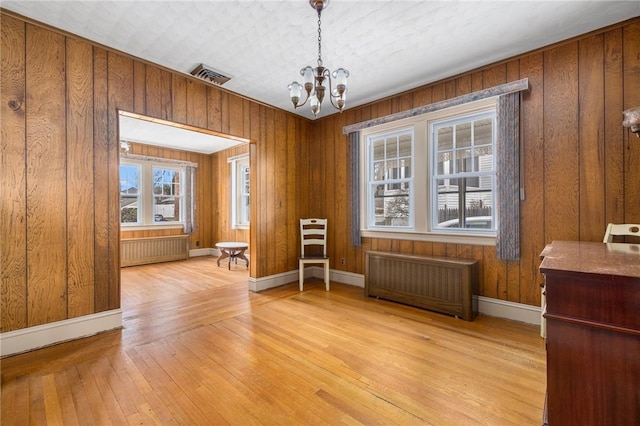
<point>314,78</point>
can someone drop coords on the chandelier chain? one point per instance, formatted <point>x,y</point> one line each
<point>319,40</point>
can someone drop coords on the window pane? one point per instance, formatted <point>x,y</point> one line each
<point>378,150</point>
<point>128,209</point>
<point>463,135</point>
<point>129,193</point>
<point>392,147</point>
<point>165,209</point>
<point>166,181</point>
<point>483,132</point>
<point>445,165</point>
<point>478,204</point>
<point>392,206</point>
<point>445,138</point>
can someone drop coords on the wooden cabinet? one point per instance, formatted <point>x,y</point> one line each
<point>593,333</point>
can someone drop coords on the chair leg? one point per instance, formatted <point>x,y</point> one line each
<point>326,275</point>
<point>301,275</point>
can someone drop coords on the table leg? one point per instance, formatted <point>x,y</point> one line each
<point>223,255</point>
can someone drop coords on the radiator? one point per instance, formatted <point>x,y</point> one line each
<point>438,284</point>
<point>140,251</point>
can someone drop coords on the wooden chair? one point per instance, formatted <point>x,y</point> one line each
<point>313,245</point>
<point>623,229</point>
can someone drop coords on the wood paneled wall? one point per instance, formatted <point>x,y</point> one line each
<point>581,168</point>
<point>59,217</point>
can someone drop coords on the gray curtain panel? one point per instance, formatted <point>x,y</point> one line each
<point>508,177</point>
<point>354,187</point>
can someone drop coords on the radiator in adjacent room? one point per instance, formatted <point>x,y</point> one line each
<point>140,251</point>
<point>439,284</point>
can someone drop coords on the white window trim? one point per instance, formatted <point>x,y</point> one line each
<point>421,229</point>
<point>146,164</point>
<point>236,163</point>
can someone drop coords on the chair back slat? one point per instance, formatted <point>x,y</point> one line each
<point>313,232</point>
<point>621,230</point>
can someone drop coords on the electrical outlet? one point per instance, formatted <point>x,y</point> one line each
<point>342,261</point>
<point>197,243</point>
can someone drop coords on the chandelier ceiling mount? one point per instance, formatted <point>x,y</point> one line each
<point>314,78</point>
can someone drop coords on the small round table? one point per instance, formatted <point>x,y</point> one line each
<point>233,251</point>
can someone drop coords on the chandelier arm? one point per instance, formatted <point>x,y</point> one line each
<point>305,100</point>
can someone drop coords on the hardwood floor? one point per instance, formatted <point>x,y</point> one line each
<point>198,348</point>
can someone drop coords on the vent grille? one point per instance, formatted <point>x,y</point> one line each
<point>209,74</point>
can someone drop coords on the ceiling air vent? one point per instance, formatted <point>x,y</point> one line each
<point>209,74</point>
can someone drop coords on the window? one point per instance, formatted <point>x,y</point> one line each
<point>240,185</point>
<point>167,194</point>
<point>431,175</point>
<point>463,182</point>
<point>151,193</point>
<point>390,179</point>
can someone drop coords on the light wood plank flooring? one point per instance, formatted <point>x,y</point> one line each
<point>198,348</point>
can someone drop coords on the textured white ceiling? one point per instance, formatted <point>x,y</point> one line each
<point>153,133</point>
<point>388,46</point>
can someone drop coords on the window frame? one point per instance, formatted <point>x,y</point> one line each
<point>422,228</point>
<point>239,180</point>
<point>373,182</point>
<point>147,197</point>
<point>465,118</point>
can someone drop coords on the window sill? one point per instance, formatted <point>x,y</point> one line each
<point>150,227</point>
<point>473,239</point>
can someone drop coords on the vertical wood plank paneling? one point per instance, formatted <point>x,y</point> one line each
<point>179,99</point>
<point>269,234</point>
<point>631,37</point>
<point>236,115</point>
<point>494,76</point>
<point>224,112</point>
<point>139,87</point>
<point>463,85</point>
<point>532,170</point>
<point>421,97</point>
<point>260,200</point>
<point>120,97</point>
<point>196,104</point>
<point>614,152</point>
<point>292,190</point>
<point>158,93</point>
<point>329,188</point>
<point>46,176</point>
<point>80,202</point>
<point>214,115</point>
<point>280,241</point>
<point>561,157</point>
<point>342,240</point>
<point>101,179</point>
<point>591,134</point>
<point>13,208</point>
<point>254,198</point>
